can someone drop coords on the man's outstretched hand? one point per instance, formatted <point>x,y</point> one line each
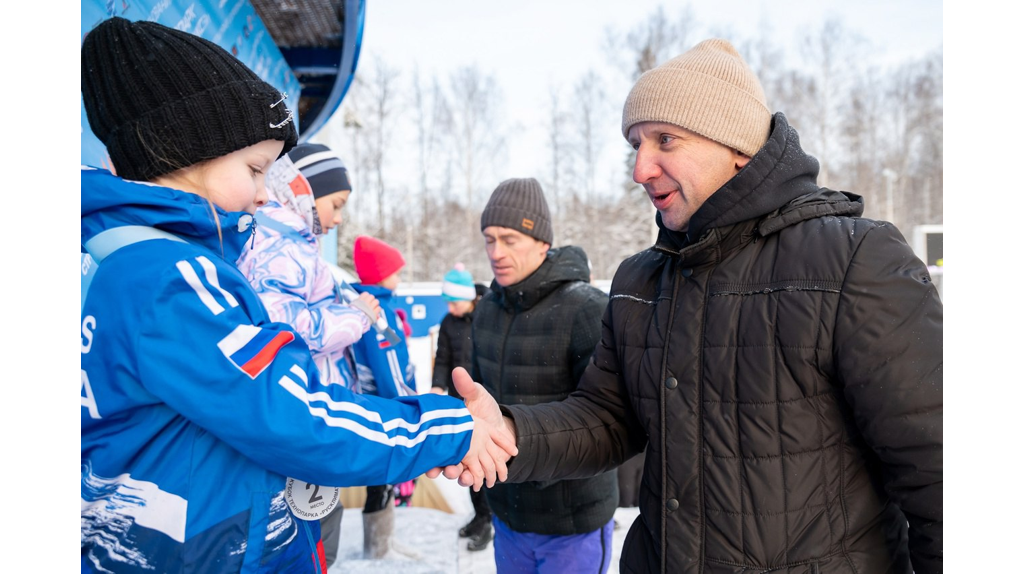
<point>493,442</point>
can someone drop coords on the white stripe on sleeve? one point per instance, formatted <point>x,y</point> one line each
<point>396,373</point>
<point>193,281</point>
<point>372,432</point>
<point>211,278</point>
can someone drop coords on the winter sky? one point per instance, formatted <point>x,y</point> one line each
<point>532,46</point>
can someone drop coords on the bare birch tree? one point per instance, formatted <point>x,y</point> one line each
<point>831,53</point>
<point>651,42</point>
<point>560,161</point>
<point>856,117</point>
<point>476,141</point>
<point>914,101</point>
<point>433,234</point>
<point>382,104</point>
<point>590,104</point>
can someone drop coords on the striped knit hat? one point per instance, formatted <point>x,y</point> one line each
<point>708,90</point>
<point>322,168</point>
<point>458,285</point>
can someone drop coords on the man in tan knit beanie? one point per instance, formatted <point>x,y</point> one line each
<point>695,121</point>
<point>778,355</point>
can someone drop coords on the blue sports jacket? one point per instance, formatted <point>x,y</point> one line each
<point>195,407</point>
<point>383,368</point>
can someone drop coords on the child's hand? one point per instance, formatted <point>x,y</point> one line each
<point>372,303</point>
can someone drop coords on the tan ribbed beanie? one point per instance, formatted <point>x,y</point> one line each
<point>709,90</point>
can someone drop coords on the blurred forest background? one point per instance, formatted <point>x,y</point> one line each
<point>424,152</point>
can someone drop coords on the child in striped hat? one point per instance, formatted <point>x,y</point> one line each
<point>307,189</point>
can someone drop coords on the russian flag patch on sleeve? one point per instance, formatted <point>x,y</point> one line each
<point>252,349</point>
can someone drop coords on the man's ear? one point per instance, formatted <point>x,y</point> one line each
<point>741,159</point>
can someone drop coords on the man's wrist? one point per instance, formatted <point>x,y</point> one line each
<point>510,421</point>
<point>510,424</point>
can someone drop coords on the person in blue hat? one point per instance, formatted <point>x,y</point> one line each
<point>454,345</point>
<point>455,349</point>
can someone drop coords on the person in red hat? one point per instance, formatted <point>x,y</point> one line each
<point>383,369</point>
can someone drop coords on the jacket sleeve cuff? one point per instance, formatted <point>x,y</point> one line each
<point>516,472</point>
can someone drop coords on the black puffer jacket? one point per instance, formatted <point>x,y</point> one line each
<point>531,343</point>
<point>785,364</point>
<point>454,349</point>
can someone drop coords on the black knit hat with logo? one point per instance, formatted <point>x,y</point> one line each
<point>161,99</point>
<point>519,204</point>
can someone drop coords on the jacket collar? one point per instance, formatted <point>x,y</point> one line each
<point>376,290</point>
<point>777,188</point>
<point>562,265</point>
<point>109,201</point>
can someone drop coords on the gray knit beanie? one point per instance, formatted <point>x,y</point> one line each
<point>519,204</point>
<point>708,90</point>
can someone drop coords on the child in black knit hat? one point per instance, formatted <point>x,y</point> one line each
<point>209,442</point>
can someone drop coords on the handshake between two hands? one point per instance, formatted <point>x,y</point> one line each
<point>493,442</point>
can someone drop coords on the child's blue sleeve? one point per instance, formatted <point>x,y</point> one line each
<point>384,369</point>
<point>207,351</point>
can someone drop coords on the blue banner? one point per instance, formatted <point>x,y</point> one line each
<point>231,24</point>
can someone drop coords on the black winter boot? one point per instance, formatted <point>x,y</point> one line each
<point>475,526</point>
<point>480,540</point>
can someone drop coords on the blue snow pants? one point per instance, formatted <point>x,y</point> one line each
<point>529,553</point>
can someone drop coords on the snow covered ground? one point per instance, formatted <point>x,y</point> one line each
<point>421,355</point>
<point>432,537</point>
<point>429,535</point>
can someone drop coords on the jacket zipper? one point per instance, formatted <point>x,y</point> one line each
<point>700,416</point>
<point>664,423</point>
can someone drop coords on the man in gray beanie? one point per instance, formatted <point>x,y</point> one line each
<point>778,355</point>
<point>533,336</point>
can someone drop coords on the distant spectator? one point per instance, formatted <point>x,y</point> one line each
<point>383,369</point>
<point>454,338</point>
<point>533,336</point>
<point>455,349</point>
